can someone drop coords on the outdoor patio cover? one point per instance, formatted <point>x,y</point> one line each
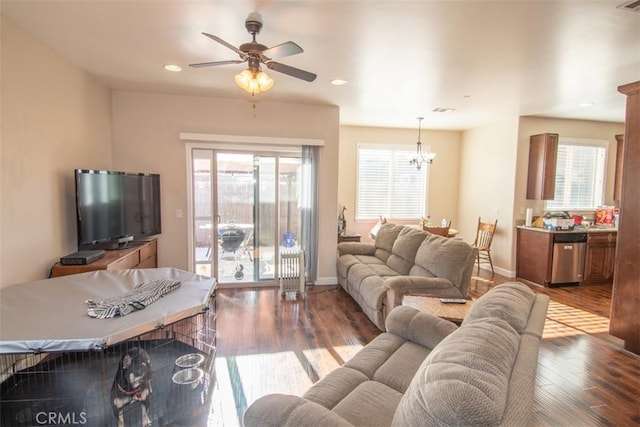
<point>51,315</point>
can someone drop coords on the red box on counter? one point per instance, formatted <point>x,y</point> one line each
<point>604,216</point>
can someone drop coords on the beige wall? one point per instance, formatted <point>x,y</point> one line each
<point>493,178</point>
<point>564,128</point>
<point>567,129</point>
<point>443,175</point>
<point>487,186</point>
<point>146,130</point>
<point>54,118</point>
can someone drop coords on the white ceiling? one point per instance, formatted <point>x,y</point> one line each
<point>402,59</point>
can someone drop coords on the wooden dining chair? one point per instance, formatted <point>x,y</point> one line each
<point>484,237</point>
<point>440,231</point>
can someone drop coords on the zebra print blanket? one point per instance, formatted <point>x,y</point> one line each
<point>141,296</point>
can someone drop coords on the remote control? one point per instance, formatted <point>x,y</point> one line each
<point>453,300</point>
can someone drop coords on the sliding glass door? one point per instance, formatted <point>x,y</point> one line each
<point>245,205</point>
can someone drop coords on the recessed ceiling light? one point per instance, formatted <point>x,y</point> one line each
<point>338,82</point>
<point>172,67</point>
<point>585,104</point>
<point>443,110</point>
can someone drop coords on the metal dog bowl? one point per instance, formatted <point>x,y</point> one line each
<point>188,377</point>
<point>191,360</point>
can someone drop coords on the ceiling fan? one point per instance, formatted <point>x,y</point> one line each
<point>255,54</point>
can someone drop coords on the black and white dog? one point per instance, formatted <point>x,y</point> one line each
<point>132,384</point>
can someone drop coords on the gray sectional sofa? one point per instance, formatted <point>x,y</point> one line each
<point>426,371</point>
<point>403,261</point>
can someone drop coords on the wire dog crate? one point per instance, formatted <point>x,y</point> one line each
<point>80,387</point>
<point>292,271</point>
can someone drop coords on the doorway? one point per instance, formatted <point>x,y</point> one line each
<point>245,207</point>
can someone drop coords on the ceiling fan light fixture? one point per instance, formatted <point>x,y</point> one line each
<point>255,54</point>
<point>254,82</point>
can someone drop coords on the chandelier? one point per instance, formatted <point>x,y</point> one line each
<point>253,80</point>
<point>420,158</point>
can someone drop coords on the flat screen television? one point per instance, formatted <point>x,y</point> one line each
<point>114,208</point>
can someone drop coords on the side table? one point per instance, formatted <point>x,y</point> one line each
<point>452,312</point>
<point>349,238</point>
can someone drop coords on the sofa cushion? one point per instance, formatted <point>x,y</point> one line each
<point>400,368</point>
<point>281,410</point>
<point>511,302</point>
<point>347,261</point>
<point>335,386</point>
<point>375,354</point>
<point>465,380</point>
<point>403,253</point>
<point>390,360</point>
<point>385,239</point>
<point>418,326</point>
<point>370,404</point>
<point>373,274</point>
<point>443,257</point>
<point>369,294</point>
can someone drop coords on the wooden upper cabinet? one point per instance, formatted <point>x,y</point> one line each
<point>617,183</point>
<point>541,178</point>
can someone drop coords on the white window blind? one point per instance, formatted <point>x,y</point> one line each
<point>580,175</point>
<point>388,185</point>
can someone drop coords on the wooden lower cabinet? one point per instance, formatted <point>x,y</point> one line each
<point>600,259</point>
<point>534,256</point>
<point>144,255</point>
<point>534,252</point>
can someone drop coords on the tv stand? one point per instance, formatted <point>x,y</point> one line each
<point>124,245</point>
<point>137,254</point>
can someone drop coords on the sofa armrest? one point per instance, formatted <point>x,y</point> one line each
<point>280,410</point>
<point>356,248</point>
<point>418,326</point>
<point>399,286</point>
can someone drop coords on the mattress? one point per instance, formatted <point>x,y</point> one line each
<point>51,315</point>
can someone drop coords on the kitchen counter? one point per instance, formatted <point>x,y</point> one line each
<point>592,229</point>
<point>535,247</point>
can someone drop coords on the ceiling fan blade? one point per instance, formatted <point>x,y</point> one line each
<point>226,44</point>
<point>211,64</point>
<point>284,49</point>
<point>291,71</point>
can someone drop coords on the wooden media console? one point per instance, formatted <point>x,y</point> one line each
<point>143,255</point>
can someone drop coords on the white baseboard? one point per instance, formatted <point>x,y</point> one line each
<point>500,271</point>
<point>326,281</point>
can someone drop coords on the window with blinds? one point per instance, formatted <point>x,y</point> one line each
<point>580,175</point>
<point>387,185</point>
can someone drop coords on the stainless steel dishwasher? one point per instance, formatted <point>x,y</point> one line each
<point>569,250</point>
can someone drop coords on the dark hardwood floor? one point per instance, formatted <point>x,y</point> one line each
<point>271,345</point>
